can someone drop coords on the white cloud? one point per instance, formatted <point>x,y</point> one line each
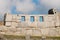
<point>25,6</point>
<point>4,6</point>
<point>51,3</point>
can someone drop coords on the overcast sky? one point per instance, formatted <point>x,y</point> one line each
<point>28,6</point>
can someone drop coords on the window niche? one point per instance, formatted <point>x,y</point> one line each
<point>41,18</point>
<point>32,19</point>
<point>23,18</point>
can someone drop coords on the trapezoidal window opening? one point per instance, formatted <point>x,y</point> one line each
<point>22,18</point>
<point>32,19</point>
<point>41,18</point>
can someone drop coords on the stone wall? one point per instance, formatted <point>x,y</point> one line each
<point>30,31</point>
<point>49,21</point>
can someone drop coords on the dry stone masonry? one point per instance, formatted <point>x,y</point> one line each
<point>26,20</point>
<point>33,25</point>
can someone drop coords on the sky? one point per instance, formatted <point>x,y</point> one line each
<point>27,6</point>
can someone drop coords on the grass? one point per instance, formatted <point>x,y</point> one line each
<point>14,36</point>
<point>53,37</point>
<point>23,37</point>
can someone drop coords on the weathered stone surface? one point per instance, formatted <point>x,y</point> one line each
<point>30,31</point>
<point>49,21</point>
<point>15,26</point>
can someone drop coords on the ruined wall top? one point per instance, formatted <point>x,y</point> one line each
<point>49,20</point>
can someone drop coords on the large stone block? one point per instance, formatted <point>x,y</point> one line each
<point>8,24</point>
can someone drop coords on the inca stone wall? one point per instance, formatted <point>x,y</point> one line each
<point>48,25</point>
<point>21,27</point>
<point>48,21</point>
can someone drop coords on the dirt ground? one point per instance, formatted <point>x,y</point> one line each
<point>1,23</point>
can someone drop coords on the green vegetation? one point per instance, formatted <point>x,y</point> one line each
<point>32,37</point>
<point>57,38</point>
<point>13,36</point>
